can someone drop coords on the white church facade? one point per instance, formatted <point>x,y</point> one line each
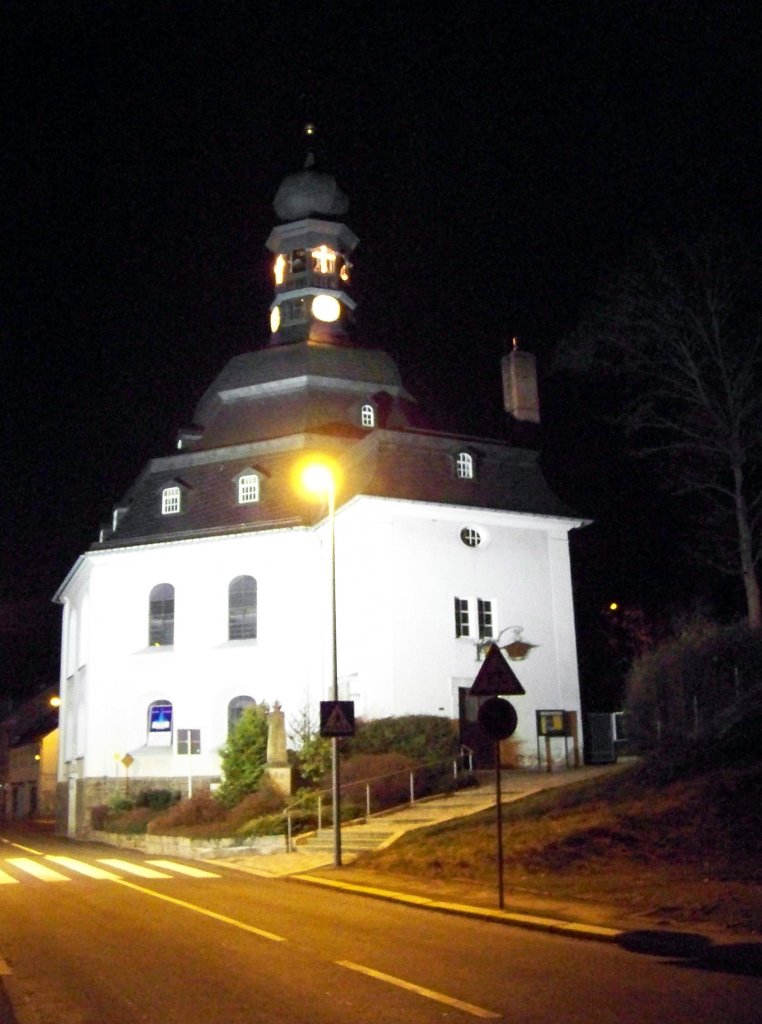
<point>211,587</point>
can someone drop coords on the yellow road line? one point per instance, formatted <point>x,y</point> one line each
<point>439,997</point>
<point>41,871</point>
<point>202,910</point>
<point>18,846</point>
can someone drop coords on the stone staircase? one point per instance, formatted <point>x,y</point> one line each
<point>382,829</point>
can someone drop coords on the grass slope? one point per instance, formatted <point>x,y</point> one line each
<point>687,848</point>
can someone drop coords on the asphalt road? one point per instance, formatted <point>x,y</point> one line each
<point>228,948</point>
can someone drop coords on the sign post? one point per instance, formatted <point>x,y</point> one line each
<point>498,719</point>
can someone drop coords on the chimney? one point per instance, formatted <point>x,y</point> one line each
<point>520,397</point>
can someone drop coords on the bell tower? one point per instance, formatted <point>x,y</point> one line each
<point>311,266</point>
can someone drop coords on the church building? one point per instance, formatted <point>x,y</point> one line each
<point>213,586</point>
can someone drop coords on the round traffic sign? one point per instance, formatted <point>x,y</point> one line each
<point>498,718</point>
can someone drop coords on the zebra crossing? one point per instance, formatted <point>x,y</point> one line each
<point>53,868</point>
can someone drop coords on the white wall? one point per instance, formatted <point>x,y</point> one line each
<point>399,566</point>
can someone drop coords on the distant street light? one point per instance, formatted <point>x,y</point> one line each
<point>320,479</point>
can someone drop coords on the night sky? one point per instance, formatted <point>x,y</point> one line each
<point>499,160</point>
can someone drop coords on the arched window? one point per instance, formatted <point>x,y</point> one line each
<point>161,615</point>
<point>160,723</point>
<point>236,708</point>
<point>464,466</point>
<point>368,416</point>
<point>242,608</point>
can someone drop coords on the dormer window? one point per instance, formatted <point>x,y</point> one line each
<point>248,489</point>
<point>368,416</point>
<point>170,501</point>
<point>464,466</point>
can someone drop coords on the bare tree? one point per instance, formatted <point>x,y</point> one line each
<point>679,333</point>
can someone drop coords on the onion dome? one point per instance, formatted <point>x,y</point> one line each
<point>309,192</point>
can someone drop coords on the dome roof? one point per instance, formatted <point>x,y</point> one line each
<point>309,192</point>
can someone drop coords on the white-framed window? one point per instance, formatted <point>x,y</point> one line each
<point>368,416</point>
<point>465,618</point>
<point>161,615</point>
<point>470,537</point>
<point>160,723</point>
<point>462,617</point>
<point>242,608</point>
<point>464,466</point>
<point>170,501</point>
<point>248,489</point>
<point>236,708</point>
<point>188,741</point>
<point>484,618</point>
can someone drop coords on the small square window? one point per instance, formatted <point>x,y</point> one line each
<point>170,501</point>
<point>248,489</point>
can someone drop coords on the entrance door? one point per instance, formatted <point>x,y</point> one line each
<point>471,733</point>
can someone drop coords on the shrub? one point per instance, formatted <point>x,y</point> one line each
<point>157,799</point>
<point>680,690</point>
<point>130,822</point>
<point>201,809</point>
<point>420,737</point>
<point>99,816</point>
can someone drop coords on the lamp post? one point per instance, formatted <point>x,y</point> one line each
<point>318,478</point>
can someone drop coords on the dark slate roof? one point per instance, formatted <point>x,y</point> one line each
<point>268,410</point>
<point>289,388</point>
<point>417,466</point>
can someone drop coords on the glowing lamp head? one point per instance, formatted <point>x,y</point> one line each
<point>274,319</point>
<point>55,702</point>
<point>317,478</point>
<point>326,308</point>
<point>613,606</point>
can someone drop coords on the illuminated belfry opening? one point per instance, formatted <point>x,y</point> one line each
<point>311,265</point>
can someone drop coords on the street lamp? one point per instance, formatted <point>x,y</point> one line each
<point>319,478</point>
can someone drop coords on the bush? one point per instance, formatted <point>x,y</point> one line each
<point>419,737</point>
<point>158,799</point>
<point>201,809</point>
<point>99,816</point>
<point>131,822</point>
<point>679,691</point>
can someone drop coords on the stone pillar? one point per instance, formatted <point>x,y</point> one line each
<point>278,771</point>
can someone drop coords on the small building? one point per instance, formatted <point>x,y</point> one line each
<point>210,587</point>
<point>29,759</point>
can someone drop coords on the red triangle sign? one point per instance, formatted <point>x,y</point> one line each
<point>495,676</point>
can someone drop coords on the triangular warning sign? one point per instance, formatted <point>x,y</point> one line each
<point>337,718</point>
<point>495,676</point>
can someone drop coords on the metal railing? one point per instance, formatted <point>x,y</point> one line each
<point>381,793</point>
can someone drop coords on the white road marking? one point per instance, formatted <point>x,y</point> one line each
<point>7,879</point>
<point>83,868</point>
<point>439,997</point>
<point>34,867</point>
<point>183,869</point>
<point>131,868</point>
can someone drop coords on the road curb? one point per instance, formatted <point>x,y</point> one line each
<point>575,929</point>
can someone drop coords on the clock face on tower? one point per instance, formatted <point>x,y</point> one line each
<point>326,308</point>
